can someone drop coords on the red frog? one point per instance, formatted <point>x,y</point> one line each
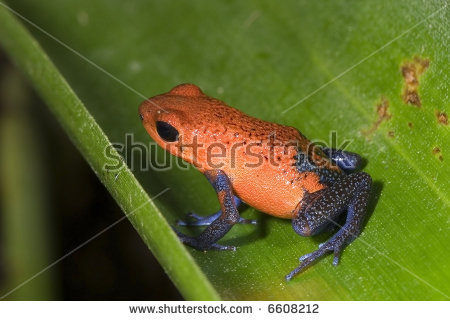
<point>271,167</point>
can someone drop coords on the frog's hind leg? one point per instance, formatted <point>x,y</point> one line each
<point>316,210</point>
<point>220,225</point>
<point>198,220</point>
<point>347,161</point>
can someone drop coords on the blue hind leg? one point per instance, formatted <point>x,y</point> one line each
<point>316,210</point>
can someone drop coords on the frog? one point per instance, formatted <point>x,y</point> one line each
<point>271,167</point>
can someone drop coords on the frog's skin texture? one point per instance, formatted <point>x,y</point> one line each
<point>271,167</point>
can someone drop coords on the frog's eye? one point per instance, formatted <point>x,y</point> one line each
<point>166,131</point>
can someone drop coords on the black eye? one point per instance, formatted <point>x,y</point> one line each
<point>166,131</point>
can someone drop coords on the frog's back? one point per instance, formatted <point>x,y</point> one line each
<point>263,167</point>
<point>259,157</point>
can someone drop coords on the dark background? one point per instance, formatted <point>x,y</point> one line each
<point>116,265</point>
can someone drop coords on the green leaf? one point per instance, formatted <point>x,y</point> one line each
<point>335,62</point>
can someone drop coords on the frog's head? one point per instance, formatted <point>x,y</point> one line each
<point>173,119</point>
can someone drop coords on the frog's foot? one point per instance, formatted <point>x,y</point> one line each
<point>319,209</point>
<point>336,245</point>
<point>199,244</point>
<point>194,219</point>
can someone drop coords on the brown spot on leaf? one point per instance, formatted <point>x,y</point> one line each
<point>410,125</point>
<point>391,133</point>
<point>383,115</point>
<point>437,152</point>
<point>442,117</point>
<point>411,71</point>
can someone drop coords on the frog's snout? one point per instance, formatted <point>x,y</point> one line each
<point>145,111</point>
<point>141,111</point>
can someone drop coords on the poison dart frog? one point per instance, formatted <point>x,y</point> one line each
<point>271,167</point>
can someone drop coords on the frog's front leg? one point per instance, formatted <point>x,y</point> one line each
<point>319,209</point>
<point>223,223</point>
<point>198,220</point>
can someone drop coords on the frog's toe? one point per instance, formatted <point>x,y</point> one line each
<point>304,257</point>
<point>336,260</point>
<point>246,221</point>
<point>193,219</point>
<point>182,223</point>
<point>194,216</point>
<point>337,254</point>
<point>220,247</point>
